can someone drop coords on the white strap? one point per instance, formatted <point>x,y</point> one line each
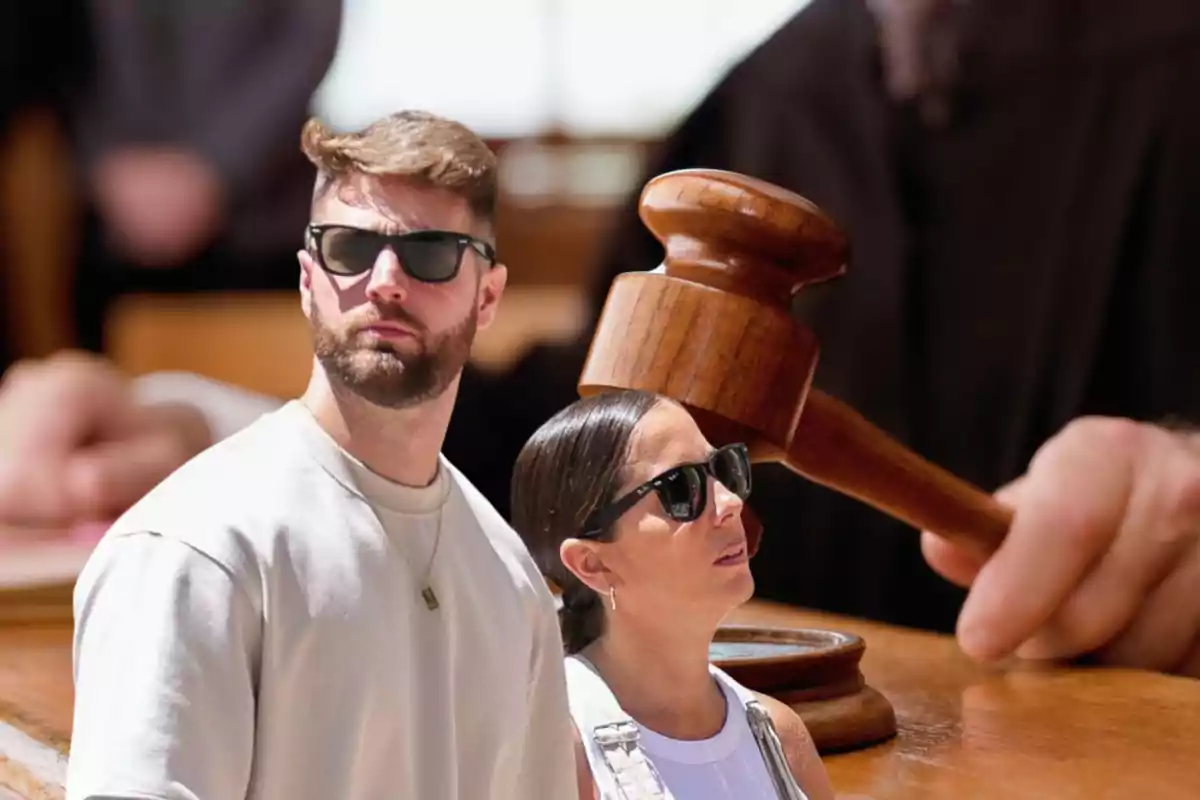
<point>766,737</point>
<point>612,734</point>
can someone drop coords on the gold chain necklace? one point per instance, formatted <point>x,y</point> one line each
<point>427,593</point>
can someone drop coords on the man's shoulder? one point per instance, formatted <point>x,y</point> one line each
<point>491,521</point>
<point>229,474</point>
<point>233,499</point>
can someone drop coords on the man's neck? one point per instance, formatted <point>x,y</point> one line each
<point>401,445</point>
<point>660,676</point>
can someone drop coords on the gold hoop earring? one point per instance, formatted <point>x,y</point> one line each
<point>612,597</point>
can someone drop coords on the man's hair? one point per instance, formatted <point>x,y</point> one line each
<point>412,145</point>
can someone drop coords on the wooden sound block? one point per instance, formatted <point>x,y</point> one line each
<point>816,672</point>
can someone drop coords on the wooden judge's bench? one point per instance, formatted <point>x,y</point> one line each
<point>963,731</point>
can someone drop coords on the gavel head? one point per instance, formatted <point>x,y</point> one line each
<point>712,327</point>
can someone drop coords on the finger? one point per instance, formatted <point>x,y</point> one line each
<point>1072,503</point>
<point>956,564</point>
<point>1164,631</point>
<point>108,478</point>
<point>32,493</point>
<point>51,407</point>
<point>960,565</point>
<point>1159,532</point>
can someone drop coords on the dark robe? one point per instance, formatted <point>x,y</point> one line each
<point>43,55</point>
<point>1032,259</point>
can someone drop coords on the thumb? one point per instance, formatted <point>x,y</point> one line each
<point>956,564</point>
<point>105,480</point>
<point>32,493</point>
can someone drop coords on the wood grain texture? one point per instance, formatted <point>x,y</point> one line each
<point>1022,731</point>
<point>965,731</point>
<point>713,330</point>
<point>818,674</point>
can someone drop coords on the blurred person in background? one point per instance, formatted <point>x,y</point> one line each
<point>186,136</point>
<point>1019,181</point>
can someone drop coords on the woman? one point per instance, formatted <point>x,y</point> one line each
<point>637,518</point>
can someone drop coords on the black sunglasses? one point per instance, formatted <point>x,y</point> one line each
<point>682,490</point>
<point>428,256</point>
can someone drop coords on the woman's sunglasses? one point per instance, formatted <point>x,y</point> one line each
<point>682,490</point>
<point>427,256</point>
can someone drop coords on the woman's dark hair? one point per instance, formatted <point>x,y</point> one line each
<point>570,467</point>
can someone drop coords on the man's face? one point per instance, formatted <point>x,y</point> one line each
<point>389,338</point>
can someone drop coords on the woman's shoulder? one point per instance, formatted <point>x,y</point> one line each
<point>793,733</point>
<point>798,746</point>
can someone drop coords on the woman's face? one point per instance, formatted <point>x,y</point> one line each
<point>656,562</point>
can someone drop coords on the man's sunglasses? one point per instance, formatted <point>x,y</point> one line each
<point>427,256</point>
<point>682,490</point>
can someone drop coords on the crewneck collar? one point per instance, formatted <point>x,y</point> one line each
<point>357,477</point>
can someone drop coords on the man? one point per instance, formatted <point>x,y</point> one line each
<point>322,605</point>
<point>1012,307</point>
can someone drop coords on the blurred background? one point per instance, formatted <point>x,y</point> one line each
<point>1020,181</point>
<point>131,259</point>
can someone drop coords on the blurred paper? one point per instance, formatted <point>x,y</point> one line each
<point>45,564</point>
<point>38,570</point>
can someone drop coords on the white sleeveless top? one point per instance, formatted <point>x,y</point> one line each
<point>631,762</point>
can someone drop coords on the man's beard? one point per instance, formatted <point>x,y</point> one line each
<point>381,375</point>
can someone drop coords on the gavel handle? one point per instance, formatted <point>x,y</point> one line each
<point>837,447</point>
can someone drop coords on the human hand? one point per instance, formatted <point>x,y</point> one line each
<point>1103,557</point>
<point>161,205</point>
<point>76,447</point>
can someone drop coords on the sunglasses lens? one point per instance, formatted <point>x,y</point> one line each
<point>430,257</point>
<point>346,251</point>
<point>731,467</point>
<point>681,491</point>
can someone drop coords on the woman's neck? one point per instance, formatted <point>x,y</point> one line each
<point>660,676</point>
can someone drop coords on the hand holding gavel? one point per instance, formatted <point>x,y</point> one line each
<point>1100,557</point>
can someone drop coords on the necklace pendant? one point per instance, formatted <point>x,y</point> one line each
<point>431,601</point>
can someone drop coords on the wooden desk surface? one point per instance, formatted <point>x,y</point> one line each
<point>964,731</point>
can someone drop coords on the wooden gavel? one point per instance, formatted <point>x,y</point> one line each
<point>712,330</point>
